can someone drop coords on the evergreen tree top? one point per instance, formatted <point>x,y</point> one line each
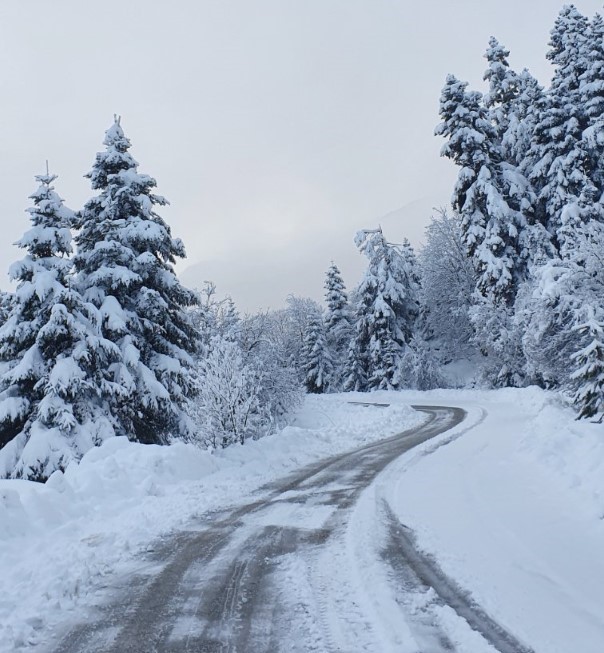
<point>333,279</point>
<point>503,82</point>
<point>568,42</point>
<point>465,121</point>
<point>114,159</point>
<point>50,234</point>
<point>496,52</point>
<point>592,80</point>
<point>336,298</point>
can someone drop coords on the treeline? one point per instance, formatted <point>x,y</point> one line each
<point>101,339</point>
<point>530,201</point>
<point>513,278</point>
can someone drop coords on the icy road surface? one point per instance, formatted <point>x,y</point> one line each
<point>318,563</point>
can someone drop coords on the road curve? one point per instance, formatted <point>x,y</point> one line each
<point>218,587</point>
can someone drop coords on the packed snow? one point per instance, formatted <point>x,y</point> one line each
<point>513,510</point>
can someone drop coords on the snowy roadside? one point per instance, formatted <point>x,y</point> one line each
<point>513,511</point>
<point>60,542</point>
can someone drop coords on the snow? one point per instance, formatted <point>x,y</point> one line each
<point>61,541</point>
<point>513,511</point>
<point>510,503</point>
<point>12,407</point>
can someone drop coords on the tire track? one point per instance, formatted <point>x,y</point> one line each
<point>219,590</point>
<point>418,571</point>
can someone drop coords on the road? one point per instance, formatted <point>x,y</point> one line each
<point>292,570</point>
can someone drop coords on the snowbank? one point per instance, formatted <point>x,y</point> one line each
<point>62,542</point>
<point>513,510</point>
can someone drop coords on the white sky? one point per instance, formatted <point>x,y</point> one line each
<point>276,128</point>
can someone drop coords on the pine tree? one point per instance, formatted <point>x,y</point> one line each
<point>569,44</point>
<point>529,194</point>
<point>6,305</point>
<point>589,374</point>
<point>125,269</point>
<point>318,364</point>
<point>338,322</point>
<point>337,315</point>
<point>523,115</point>
<point>470,137</point>
<point>492,196</point>
<point>558,160</point>
<point>385,316</point>
<point>48,402</point>
<point>591,94</point>
<point>355,368</point>
<point>504,88</point>
<point>395,312</point>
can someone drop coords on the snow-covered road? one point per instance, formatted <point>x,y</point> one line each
<point>510,503</point>
<point>318,562</point>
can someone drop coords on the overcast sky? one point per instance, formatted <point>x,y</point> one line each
<point>276,128</point>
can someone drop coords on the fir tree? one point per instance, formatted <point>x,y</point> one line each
<point>504,87</point>
<point>355,368</point>
<point>387,309</point>
<point>569,44</point>
<point>492,196</point>
<point>591,94</point>
<point>318,364</point>
<point>125,269</point>
<point>49,400</point>
<point>524,113</point>
<point>338,321</point>
<point>470,137</point>
<point>589,375</point>
<point>559,163</point>
<point>6,305</point>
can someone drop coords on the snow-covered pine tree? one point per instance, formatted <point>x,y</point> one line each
<point>356,368</point>
<point>565,290</point>
<point>591,94</point>
<point>387,309</point>
<point>564,165</point>
<point>525,110</point>
<point>338,322</point>
<point>491,196</point>
<point>49,404</point>
<point>6,305</point>
<point>499,229</point>
<point>465,122</point>
<point>588,377</point>
<point>318,364</point>
<point>558,162</point>
<point>569,45</point>
<point>291,323</point>
<point>124,267</point>
<point>513,102</point>
<point>504,88</point>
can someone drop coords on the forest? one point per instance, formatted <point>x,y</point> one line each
<point>101,339</point>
